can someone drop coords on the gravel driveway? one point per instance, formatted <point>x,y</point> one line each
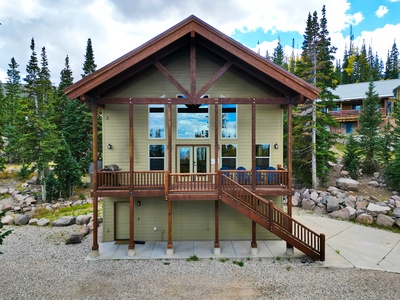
<point>36,264</point>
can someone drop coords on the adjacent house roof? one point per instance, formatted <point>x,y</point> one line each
<point>183,34</point>
<point>354,91</point>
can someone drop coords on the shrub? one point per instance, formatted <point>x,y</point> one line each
<point>3,233</point>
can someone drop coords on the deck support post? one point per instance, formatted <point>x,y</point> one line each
<point>254,248</point>
<point>131,247</point>
<point>170,246</point>
<point>95,246</point>
<point>217,248</point>
<point>289,247</point>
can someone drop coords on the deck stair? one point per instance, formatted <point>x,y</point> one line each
<point>267,215</point>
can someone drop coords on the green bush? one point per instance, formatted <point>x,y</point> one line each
<point>3,233</point>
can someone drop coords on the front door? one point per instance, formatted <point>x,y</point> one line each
<point>193,159</point>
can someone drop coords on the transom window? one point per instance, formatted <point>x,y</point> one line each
<point>229,121</point>
<point>228,156</point>
<point>156,121</point>
<point>263,155</point>
<point>192,121</point>
<point>156,157</point>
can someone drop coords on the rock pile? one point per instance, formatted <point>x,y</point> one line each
<point>337,202</point>
<point>21,209</point>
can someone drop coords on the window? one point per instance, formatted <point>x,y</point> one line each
<point>356,107</point>
<point>228,156</point>
<point>228,121</point>
<point>156,157</point>
<point>262,155</point>
<point>192,121</point>
<point>156,121</point>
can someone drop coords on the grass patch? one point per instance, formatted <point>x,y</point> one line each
<point>166,263</point>
<point>65,211</point>
<point>337,251</point>
<point>223,260</point>
<point>239,263</point>
<point>288,268</point>
<point>193,258</point>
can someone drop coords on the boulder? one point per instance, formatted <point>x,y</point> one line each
<point>21,219</point>
<point>3,191</point>
<point>82,219</point>
<point>308,204</point>
<point>365,219</point>
<point>314,196</point>
<point>385,221</point>
<point>296,199</point>
<point>73,239</point>
<point>43,222</point>
<point>338,168</point>
<point>396,212</point>
<point>332,204</point>
<point>376,175</point>
<point>7,220</point>
<point>64,221</point>
<point>30,200</point>
<point>33,180</point>
<point>6,206</point>
<point>344,213</point>
<point>361,205</point>
<point>374,183</point>
<point>344,173</point>
<point>375,209</point>
<point>320,209</point>
<point>33,221</point>
<point>347,184</point>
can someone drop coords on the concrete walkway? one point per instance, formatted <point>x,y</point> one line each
<point>348,245</point>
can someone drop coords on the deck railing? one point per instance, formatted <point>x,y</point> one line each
<point>263,177</point>
<point>188,181</point>
<point>276,220</point>
<point>200,182</point>
<point>349,113</point>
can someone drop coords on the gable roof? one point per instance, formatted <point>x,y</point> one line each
<point>354,91</point>
<point>243,57</point>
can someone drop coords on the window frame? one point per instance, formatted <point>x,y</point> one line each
<point>155,106</point>
<point>156,157</point>
<point>236,121</point>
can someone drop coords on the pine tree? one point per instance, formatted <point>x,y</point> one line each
<point>351,158</point>
<point>292,60</point>
<point>394,59</point>
<point>316,67</point>
<point>89,65</point>
<point>3,233</point>
<point>279,56</point>
<point>66,78</point>
<point>32,76</point>
<point>370,119</point>
<point>2,158</point>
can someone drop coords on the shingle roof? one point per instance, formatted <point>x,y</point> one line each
<point>353,91</point>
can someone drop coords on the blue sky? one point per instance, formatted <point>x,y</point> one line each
<point>118,26</point>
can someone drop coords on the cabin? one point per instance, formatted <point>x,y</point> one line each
<point>192,132</point>
<point>350,101</point>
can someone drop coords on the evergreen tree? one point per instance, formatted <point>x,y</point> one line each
<point>392,173</point>
<point>388,66</point>
<point>292,60</point>
<point>66,170</point>
<point>351,158</point>
<point>2,158</point>
<point>279,56</point>
<point>3,233</point>
<point>89,65</point>
<point>66,78</point>
<point>370,119</point>
<point>394,61</point>
<point>32,76</point>
<point>315,66</point>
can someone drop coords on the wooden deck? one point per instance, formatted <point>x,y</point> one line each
<point>188,186</point>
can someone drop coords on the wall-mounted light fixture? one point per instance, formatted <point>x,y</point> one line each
<point>276,146</point>
<point>109,146</point>
<point>138,203</point>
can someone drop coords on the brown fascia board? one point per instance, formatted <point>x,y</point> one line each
<point>192,23</point>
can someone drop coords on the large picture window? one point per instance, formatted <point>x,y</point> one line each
<point>229,121</point>
<point>156,121</point>
<point>263,155</point>
<point>156,157</point>
<point>228,156</point>
<point>192,121</point>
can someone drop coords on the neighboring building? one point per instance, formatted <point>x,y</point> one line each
<point>175,111</point>
<point>351,98</point>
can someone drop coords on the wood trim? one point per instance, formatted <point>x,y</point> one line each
<point>289,154</point>
<point>131,148</point>
<point>169,137</point>
<point>247,100</point>
<point>208,85</point>
<point>193,61</point>
<point>253,144</point>
<point>216,212</point>
<point>170,245</point>
<point>253,234</point>
<point>131,223</point>
<point>173,80</point>
<point>216,138</point>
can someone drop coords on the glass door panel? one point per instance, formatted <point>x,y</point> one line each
<point>201,159</point>
<point>194,159</point>
<point>185,160</point>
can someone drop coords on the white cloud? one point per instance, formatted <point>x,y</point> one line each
<point>118,26</point>
<point>382,10</point>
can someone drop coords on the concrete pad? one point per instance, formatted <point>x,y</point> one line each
<point>158,251</point>
<point>183,249</point>
<point>227,249</point>
<point>203,249</point>
<point>106,251</point>
<point>242,248</point>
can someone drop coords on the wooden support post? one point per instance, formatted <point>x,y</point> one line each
<point>95,246</point>
<point>131,246</point>
<point>253,146</point>
<point>322,247</point>
<point>289,247</point>
<point>169,136</point>
<point>216,242</point>
<point>253,234</point>
<point>170,245</point>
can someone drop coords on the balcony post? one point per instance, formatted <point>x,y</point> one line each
<point>253,146</point>
<point>131,247</point>
<point>217,249</point>
<point>95,246</point>
<point>289,247</point>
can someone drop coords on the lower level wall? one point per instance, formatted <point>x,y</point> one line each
<point>191,220</point>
